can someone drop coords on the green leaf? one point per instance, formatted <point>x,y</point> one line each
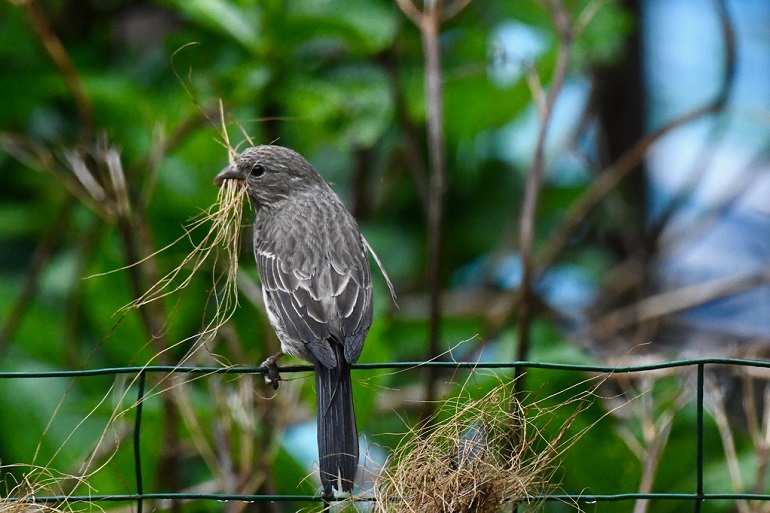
<point>352,104</point>
<point>473,103</point>
<point>226,18</point>
<point>604,36</point>
<point>368,26</point>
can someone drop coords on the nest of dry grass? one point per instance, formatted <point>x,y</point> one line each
<point>476,455</point>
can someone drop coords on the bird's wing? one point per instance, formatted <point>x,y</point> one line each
<point>294,307</point>
<point>353,298</point>
<point>319,283</point>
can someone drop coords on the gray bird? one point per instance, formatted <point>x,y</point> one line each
<point>317,286</point>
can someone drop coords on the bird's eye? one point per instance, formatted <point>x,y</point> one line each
<point>258,170</point>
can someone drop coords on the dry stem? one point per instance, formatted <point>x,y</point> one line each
<point>20,495</point>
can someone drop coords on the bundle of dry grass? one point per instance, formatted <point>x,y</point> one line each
<point>21,496</point>
<point>479,455</point>
<point>224,219</point>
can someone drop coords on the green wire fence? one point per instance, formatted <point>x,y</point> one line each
<point>698,496</point>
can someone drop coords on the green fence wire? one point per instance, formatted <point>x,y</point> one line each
<point>698,497</point>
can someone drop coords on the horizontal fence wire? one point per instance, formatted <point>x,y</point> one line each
<point>698,497</point>
<point>693,362</point>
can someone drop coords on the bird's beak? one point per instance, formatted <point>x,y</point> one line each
<point>229,173</point>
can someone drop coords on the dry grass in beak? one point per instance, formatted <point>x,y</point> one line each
<point>225,218</point>
<point>226,223</point>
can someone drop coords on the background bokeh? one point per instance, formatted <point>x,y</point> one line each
<point>599,169</point>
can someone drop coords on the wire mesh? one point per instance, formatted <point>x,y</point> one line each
<point>697,497</point>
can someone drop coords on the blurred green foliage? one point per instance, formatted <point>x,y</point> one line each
<point>340,81</point>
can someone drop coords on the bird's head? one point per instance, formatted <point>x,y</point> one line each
<point>273,174</point>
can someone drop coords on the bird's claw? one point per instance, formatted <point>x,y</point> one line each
<point>272,377</point>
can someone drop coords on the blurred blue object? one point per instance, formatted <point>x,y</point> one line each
<point>567,288</point>
<point>717,168</point>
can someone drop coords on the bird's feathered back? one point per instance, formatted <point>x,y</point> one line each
<point>318,278</point>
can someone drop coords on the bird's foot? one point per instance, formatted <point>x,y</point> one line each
<point>271,375</point>
<point>327,497</point>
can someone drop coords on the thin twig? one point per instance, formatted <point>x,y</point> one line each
<point>719,414</point>
<point>700,166</point>
<point>63,63</point>
<point>40,257</point>
<point>740,184</point>
<point>666,303</point>
<point>150,165</point>
<point>429,23</point>
<point>429,29</point>
<point>40,158</point>
<point>655,434</point>
<point>607,181</point>
<point>410,11</point>
<point>412,153</point>
<point>561,22</point>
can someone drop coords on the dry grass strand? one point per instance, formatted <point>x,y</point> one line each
<point>20,495</point>
<point>225,218</point>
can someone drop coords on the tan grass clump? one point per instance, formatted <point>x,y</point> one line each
<point>23,495</point>
<point>475,455</point>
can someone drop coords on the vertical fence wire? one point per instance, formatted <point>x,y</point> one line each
<point>137,440</point>
<point>699,438</point>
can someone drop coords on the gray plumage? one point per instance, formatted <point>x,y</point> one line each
<point>316,283</point>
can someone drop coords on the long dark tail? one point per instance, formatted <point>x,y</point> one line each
<point>337,435</point>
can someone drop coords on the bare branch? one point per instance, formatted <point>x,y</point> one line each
<point>40,257</point>
<point>429,23</point>
<point>63,62</point>
<point>700,165</point>
<point>429,29</point>
<point>410,11</point>
<point>667,303</point>
<point>561,22</point>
